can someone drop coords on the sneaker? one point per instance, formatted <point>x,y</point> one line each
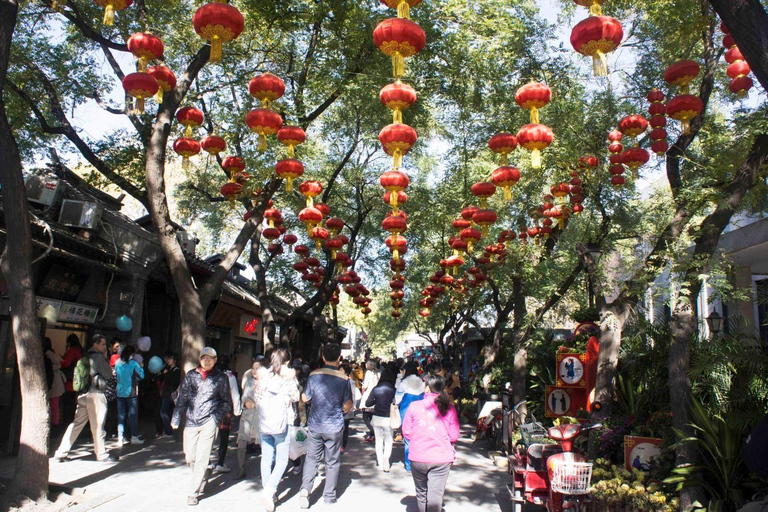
<point>268,499</point>
<point>137,440</point>
<point>109,458</point>
<point>304,498</point>
<point>220,468</point>
<point>330,501</point>
<point>369,439</point>
<point>297,469</point>
<point>121,441</point>
<point>192,501</point>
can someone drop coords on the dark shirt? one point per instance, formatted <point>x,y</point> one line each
<point>381,397</point>
<point>171,380</point>
<point>203,399</point>
<point>328,391</point>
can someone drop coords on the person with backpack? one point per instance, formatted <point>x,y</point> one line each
<point>91,379</point>
<point>204,400</point>
<point>381,399</point>
<point>330,397</point>
<point>128,373</point>
<point>410,389</point>
<point>277,390</point>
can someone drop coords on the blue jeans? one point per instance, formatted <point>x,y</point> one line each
<point>129,405</point>
<point>166,413</point>
<point>407,461</point>
<point>274,458</point>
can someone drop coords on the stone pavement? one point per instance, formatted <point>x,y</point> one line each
<point>153,477</point>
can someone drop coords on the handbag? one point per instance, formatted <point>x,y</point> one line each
<point>394,417</point>
<point>110,389</point>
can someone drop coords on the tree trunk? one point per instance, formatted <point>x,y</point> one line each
<point>747,22</point>
<point>267,316</point>
<point>31,472</point>
<point>611,328</point>
<point>519,385</point>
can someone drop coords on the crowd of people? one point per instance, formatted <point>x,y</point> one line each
<point>277,401</point>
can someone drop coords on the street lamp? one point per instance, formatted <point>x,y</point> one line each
<point>715,322</point>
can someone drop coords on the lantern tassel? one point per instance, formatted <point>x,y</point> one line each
<point>507,194</point>
<point>485,231</point>
<point>398,64</point>
<point>140,105</point>
<point>185,163</point>
<point>289,185</point>
<point>469,247</point>
<point>188,131</point>
<point>397,158</point>
<point>397,116</point>
<point>454,270</point>
<point>595,10</point>
<point>143,63</point>
<point>262,143</point>
<point>290,151</point>
<point>393,199</point>
<point>159,95</point>
<point>685,124</point>
<point>561,223</point>
<point>109,15</point>
<point>403,10</point>
<point>599,64</point>
<point>534,115</point>
<point>504,159</point>
<point>536,159</point>
<point>396,255</point>
<point>333,254</point>
<point>216,48</point>
<point>317,244</point>
<point>309,202</point>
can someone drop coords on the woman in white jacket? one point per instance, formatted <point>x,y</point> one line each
<point>369,382</point>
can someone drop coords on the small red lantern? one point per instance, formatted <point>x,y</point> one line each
<point>310,217</point>
<point>534,138</point>
<point>213,144</point>
<point>484,218</point>
<point>397,245</point>
<point>658,121</point>
<point>394,224</point>
<point>633,125</point>
<point>289,169</point>
<point>681,73</point>
<point>110,6</point>
<point>233,164</point>
<point>470,236</point>
<point>588,161</point>
<point>460,224</point>
<point>190,117</point>
<point>469,212</point>
<point>186,147</point>
<point>394,181</point>
<point>740,86</point>
<point>265,122</point>
<point>140,86</point>
<point>396,97</point>
<point>145,47</point>
<point>271,233</point>
<point>655,96</point>
<point>218,22</point>
<point>399,38</point>
<point>595,37</point>
<point>503,144</point>
<point>634,158</point>
<point>684,108</point>
<point>318,234</point>
<point>483,190</point>
<point>291,136</point>
<point>533,96</point>
<point>560,190</point>
<point>660,147</point>
<point>505,177</point>
<point>166,79</point>
<point>311,189</point>
<point>400,198</point>
<point>290,239</point>
<point>618,180</point>
<point>231,190</point>
<point>397,140</point>
<point>266,88</point>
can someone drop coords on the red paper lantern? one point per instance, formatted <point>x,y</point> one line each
<point>505,177</point>
<point>289,169</point>
<point>684,108</point>
<point>615,136</point>
<point>595,37</point>
<point>616,169</point>
<point>655,96</point>
<point>291,136</point>
<point>396,97</point>
<point>140,86</point>
<point>681,73</point>
<point>186,147</point>
<point>633,125</point>
<point>265,122</point>
<point>324,209</point>
<point>394,224</point>
<point>503,144</point>
<point>166,79</point>
<point>484,218</point>
<point>335,225</point>
<point>399,38</point>
<point>560,190</point>
<point>213,144</point>
<point>533,96</point>
<point>266,88</point>
<point>110,6</point>
<point>397,140</point>
<point>394,181</point>
<point>233,164</point>
<point>460,224</point>
<point>588,161</point>
<point>729,42</point>
<point>290,239</point>
<point>218,23</point>
<point>231,190</point>
<point>483,190</point>
<point>634,158</point>
<point>658,121</point>
<point>403,6</point>
<point>660,147</point>
<point>470,236</point>
<point>271,233</point>
<point>311,189</point>
<point>318,234</point>
<point>534,138</point>
<point>397,245</point>
<point>469,212</point>
<point>733,54</point>
<point>145,47</point>
<point>310,217</point>
<point>618,180</point>
<point>740,86</point>
<point>400,198</point>
<point>189,117</point>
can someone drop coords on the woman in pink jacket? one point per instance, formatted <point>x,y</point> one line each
<point>431,426</point>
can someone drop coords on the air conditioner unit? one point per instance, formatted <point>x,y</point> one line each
<point>188,241</point>
<point>80,214</point>
<point>41,189</point>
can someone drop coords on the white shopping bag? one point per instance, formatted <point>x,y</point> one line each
<point>299,439</point>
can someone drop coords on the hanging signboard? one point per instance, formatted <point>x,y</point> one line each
<point>563,401</point>
<point>78,313</point>
<point>570,370</point>
<point>640,452</point>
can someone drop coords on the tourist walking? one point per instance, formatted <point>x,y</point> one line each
<point>348,371</point>
<point>226,424</point>
<point>91,403</point>
<point>68,401</point>
<point>369,382</point>
<point>128,373</point>
<point>278,389</point>
<point>248,431</point>
<point>171,378</point>
<point>410,389</point>
<point>381,399</point>
<point>204,400</point>
<point>330,397</point>
<point>432,427</point>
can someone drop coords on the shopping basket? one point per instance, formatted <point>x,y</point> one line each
<point>571,477</point>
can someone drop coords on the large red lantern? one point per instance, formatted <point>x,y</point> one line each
<point>145,47</point>
<point>396,97</point>
<point>291,136</point>
<point>635,158</point>
<point>505,177</point>
<point>213,144</point>
<point>470,236</point>
<point>166,79</point>
<point>233,164</point>
<point>264,122</point>
<point>740,86</point>
<point>681,73</point>
<point>231,190</point>
<point>394,181</point>
<point>394,224</point>
<point>311,189</point>
<point>633,125</point>
<point>310,217</point>
<point>684,108</point>
<point>218,22</point>
<point>266,88</point>
<point>533,96</point>
<point>190,117</point>
<point>484,218</point>
<point>289,169</point>
<point>110,6</point>
<point>399,38</point>
<point>534,138</point>
<point>186,147</point>
<point>595,37</point>
<point>483,190</point>
<point>140,86</point>
<point>397,140</point>
<point>503,144</point>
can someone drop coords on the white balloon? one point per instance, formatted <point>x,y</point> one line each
<point>138,358</point>
<point>144,343</point>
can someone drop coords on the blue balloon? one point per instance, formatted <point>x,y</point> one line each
<point>155,365</point>
<point>124,323</point>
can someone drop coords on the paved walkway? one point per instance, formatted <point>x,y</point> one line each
<point>154,477</point>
